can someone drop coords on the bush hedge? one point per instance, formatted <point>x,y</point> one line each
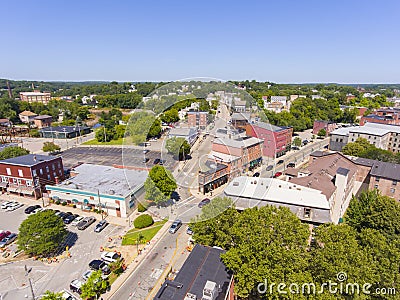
<point>143,221</point>
<point>141,208</point>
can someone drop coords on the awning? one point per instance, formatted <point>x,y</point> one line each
<point>13,189</point>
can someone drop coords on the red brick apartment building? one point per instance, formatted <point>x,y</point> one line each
<point>390,116</point>
<point>277,139</point>
<point>321,124</point>
<point>28,174</point>
<point>197,119</point>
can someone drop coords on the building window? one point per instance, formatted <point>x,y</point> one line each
<point>376,179</point>
<point>41,171</point>
<point>54,174</point>
<point>34,173</point>
<point>307,213</point>
<point>47,169</point>
<point>48,176</point>
<point>392,190</point>
<point>375,186</point>
<point>20,173</point>
<point>4,179</point>
<point>19,181</point>
<point>15,180</point>
<point>8,171</point>
<point>59,165</point>
<point>28,183</point>
<point>394,182</point>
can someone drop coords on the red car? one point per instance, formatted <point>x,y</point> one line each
<point>277,174</point>
<point>4,234</point>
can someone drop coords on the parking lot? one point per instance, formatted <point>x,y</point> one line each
<point>84,247</point>
<point>109,156</point>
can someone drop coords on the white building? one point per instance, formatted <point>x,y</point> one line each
<point>95,186</point>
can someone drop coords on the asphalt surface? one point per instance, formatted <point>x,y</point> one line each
<point>84,247</point>
<point>109,156</point>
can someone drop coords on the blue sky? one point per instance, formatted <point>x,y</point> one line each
<point>280,41</point>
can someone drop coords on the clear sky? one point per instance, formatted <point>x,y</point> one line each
<point>344,41</point>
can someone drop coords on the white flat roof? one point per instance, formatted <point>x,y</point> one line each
<point>368,128</point>
<point>222,156</point>
<point>275,190</point>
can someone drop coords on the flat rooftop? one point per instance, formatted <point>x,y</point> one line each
<point>203,264</point>
<point>104,179</point>
<point>275,190</point>
<point>28,160</point>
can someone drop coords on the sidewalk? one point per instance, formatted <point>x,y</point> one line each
<point>30,201</point>
<point>136,262</point>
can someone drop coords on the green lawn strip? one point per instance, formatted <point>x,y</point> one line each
<point>120,141</point>
<point>147,233</point>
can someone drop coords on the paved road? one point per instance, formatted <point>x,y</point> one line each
<point>149,272</point>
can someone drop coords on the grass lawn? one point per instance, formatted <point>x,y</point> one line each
<point>147,233</point>
<point>120,141</point>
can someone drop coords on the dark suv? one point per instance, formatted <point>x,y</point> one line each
<point>98,264</point>
<point>30,209</point>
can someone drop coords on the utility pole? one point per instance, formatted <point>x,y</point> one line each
<point>101,208</point>
<point>30,284</point>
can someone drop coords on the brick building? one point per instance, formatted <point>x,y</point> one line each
<point>321,124</point>
<point>277,139</point>
<point>29,174</point>
<point>390,116</point>
<point>43,121</point>
<point>35,96</point>
<point>197,119</point>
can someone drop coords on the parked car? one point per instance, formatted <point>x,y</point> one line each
<point>189,231</point>
<point>277,174</point>
<point>291,165</point>
<point>39,209</point>
<point>270,167</point>
<point>65,295</point>
<point>145,160</point>
<point>8,240</point>
<point>146,151</point>
<point>110,256</point>
<point>256,174</point>
<point>14,206</point>
<point>204,202</point>
<point>175,226</point>
<point>76,285</point>
<point>295,148</point>
<point>87,274</point>
<point>162,162</point>
<point>100,226</point>
<point>77,221</point>
<point>31,208</point>
<point>4,234</point>
<point>156,161</point>
<point>86,222</point>
<point>281,161</point>
<point>305,142</point>
<point>6,204</point>
<point>70,218</point>
<point>98,264</point>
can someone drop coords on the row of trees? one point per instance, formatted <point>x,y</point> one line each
<point>271,244</point>
<point>362,148</point>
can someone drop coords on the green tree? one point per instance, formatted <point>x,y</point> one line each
<point>105,134</point>
<point>374,211</point>
<point>52,296</point>
<point>216,207</point>
<point>160,184</point>
<point>356,148</point>
<point>50,147</point>
<point>155,129</point>
<point>170,116</point>
<point>94,286</point>
<point>178,147</point>
<point>322,133</point>
<point>41,234</point>
<point>10,152</point>
<point>297,141</point>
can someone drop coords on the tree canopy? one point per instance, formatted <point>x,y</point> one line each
<point>362,148</point>
<point>50,147</point>
<point>10,152</point>
<point>49,295</point>
<point>178,147</point>
<point>94,286</point>
<point>41,234</point>
<point>159,185</point>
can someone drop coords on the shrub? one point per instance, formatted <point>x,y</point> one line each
<point>143,221</point>
<point>58,202</point>
<point>64,203</point>
<point>141,208</point>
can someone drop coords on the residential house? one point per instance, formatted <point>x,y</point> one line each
<point>190,134</point>
<point>42,121</point>
<point>29,174</point>
<point>27,117</point>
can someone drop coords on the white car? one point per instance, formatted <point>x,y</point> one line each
<point>110,256</point>
<point>36,210</point>
<point>6,204</point>
<point>87,274</point>
<point>66,295</point>
<point>14,206</point>
<point>77,220</point>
